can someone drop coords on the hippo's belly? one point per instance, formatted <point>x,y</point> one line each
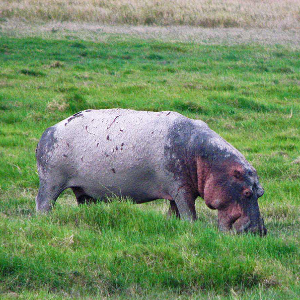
<point>140,184</point>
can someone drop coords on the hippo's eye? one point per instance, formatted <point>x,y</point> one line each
<point>248,193</point>
<point>237,174</point>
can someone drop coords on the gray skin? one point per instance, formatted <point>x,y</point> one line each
<point>148,156</point>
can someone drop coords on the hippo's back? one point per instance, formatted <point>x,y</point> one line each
<point>117,122</point>
<point>112,132</point>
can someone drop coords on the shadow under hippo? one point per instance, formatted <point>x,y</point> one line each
<point>148,156</point>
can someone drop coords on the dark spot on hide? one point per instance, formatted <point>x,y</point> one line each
<point>116,148</point>
<point>211,153</point>
<point>178,151</point>
<point>79,114</point>
<point>65,155</point>
<point>88,110</point>
<point>114,171</point>
<point>86,128</point>
<point>185,143</point>
<point>145,174</point>
<point>113,121</point>
<point>106,155</point>
<point>53,188</point>
<point>97,144</point>
<point>68,145</point>
<point>237,174</point>
<point>46,146</point>
<point>122,144</point>
<point>121,130</point>
<point>82,158</point>
<point>107,137</point>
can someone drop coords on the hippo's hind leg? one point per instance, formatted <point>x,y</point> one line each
<point>47,195</point>
<point>52,178</point>
<point>82,197</point>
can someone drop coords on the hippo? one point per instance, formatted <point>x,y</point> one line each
<point>146,156</point>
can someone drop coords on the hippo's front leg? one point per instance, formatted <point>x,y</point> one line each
<point>173,210</point>
<point>185,202</point>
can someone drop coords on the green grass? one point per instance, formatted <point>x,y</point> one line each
<point>249,94</point>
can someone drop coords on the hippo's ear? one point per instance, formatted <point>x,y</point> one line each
<point>260,191</point>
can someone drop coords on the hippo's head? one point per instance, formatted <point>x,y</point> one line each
<point>233,189</point>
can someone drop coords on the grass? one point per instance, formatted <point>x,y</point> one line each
<point>247,93</point>
<point>205,13</point>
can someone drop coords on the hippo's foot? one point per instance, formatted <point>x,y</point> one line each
<point>47,195</point>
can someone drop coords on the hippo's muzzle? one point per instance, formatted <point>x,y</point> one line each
<point>242,218</point>
<point>243,226</point>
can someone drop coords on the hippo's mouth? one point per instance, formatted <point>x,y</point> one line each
<point>241,228</point>
<point>242,225</point>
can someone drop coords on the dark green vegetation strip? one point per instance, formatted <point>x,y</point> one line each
<point>248,94</point>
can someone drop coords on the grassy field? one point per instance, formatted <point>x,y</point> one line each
<point>205,13</point>
<point>249,94</point>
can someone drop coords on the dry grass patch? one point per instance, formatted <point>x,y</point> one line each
<point>204,13</point>
<point>57,105</point>
<point>106,33</point>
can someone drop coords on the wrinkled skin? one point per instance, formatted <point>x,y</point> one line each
<point>148,156</point>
